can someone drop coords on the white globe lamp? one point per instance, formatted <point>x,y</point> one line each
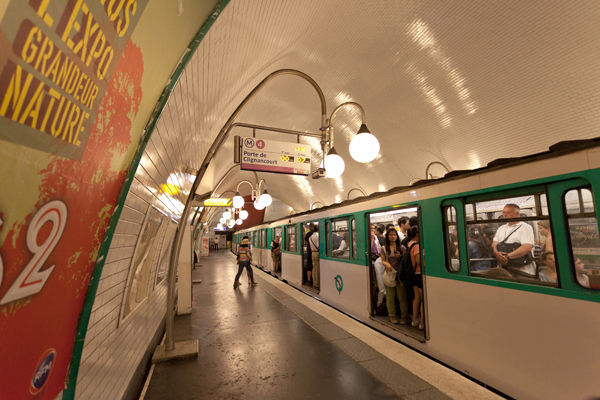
<point>238,201</point>
<point>364,147</point>
<point>265,199</point>
<point>222,220</point>
<point>258,205</point>
<point>227,214</point>
<point>243,214</point>
<point>334,164</point>
<point>238,221</point>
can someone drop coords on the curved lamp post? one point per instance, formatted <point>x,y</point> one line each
<point>168,350</point>
<point>364,146</point>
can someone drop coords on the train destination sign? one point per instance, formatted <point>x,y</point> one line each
<point>271,156</point>
<point>217,202</point>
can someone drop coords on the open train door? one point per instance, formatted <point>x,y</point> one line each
<point>397,219</point>
<point>307,267</point>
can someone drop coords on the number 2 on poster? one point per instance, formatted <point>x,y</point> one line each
<point>31,280</point>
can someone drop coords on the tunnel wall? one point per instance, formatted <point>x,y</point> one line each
<point>80,84</point>
<point>115,338</point>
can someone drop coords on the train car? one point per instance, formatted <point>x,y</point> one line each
<point>524,329</point>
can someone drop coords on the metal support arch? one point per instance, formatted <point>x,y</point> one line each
<point>169,344</point>
<point>352,190</point>
<point>434,163</point>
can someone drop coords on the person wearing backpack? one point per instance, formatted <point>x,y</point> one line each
<point>244,258</point>
<point>391,255</point>
<point>416,278</point>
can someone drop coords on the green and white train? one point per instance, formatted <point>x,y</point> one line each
<point>524,337</point>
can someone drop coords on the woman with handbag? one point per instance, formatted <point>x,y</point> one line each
<point>391,255</point>
<point>276,254</point>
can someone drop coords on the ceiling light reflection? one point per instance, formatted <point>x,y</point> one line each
<point>422,35</point>
<point>430,95</point>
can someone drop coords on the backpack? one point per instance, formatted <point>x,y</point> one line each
<point>406,272</point>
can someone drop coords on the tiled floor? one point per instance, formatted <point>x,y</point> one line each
<point>260,343</point>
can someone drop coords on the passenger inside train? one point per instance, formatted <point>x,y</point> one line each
<point>511,238</point>
<point>394,304</point>
<point>547,271</point>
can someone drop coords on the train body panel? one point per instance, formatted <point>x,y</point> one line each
<point>345,286</point>
<point>264,258</point>
<point>524,337</point>
<point>529,344</point>
<point>291,268</point>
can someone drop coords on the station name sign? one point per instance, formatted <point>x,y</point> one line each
<point>217,202</point>
<point>271,156</point>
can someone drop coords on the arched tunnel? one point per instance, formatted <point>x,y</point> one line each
<point>118,119</point>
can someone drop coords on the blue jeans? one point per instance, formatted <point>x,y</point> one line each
<point>241,266</point>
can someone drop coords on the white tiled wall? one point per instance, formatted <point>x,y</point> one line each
<point>114,347</point>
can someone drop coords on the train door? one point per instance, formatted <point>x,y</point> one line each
<point>308,229</point>
<point>264,252</point>
<point>277,233</point>
<point>256,252</point>
<point>392,306</point>
<point>268,257</point>
<point>256,249</point>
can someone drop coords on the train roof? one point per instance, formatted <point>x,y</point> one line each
<point>558,149</point>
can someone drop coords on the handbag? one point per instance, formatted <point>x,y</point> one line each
<point>510,247</point>
<point>389,278</point>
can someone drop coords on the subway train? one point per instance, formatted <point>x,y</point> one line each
<point>514,332</point>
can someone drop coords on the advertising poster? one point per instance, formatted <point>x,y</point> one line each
<point>70,86</point>
<point>205,247</point>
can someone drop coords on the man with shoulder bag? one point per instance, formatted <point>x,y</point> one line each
<point>513,244</point>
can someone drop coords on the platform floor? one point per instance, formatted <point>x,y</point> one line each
<point>274,342</point>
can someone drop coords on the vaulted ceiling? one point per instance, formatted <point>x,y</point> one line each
<point>457,82</point>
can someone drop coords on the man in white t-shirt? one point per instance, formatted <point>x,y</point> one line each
<point>404,226</point>
<point>516,232</point>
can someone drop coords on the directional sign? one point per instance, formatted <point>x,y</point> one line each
<point>217,202</point>
<point>271,156</point>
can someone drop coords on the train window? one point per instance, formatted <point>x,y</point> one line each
<point>291,238</point>
<point>583,232</point>
<point>451,239</point>
<point>264,238</point>
<point>277,233</point>
<point>507,239</point>
<point>339,239</point>
<point>353,234</point>
<point>399,218</point>
<point>469,213</point>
